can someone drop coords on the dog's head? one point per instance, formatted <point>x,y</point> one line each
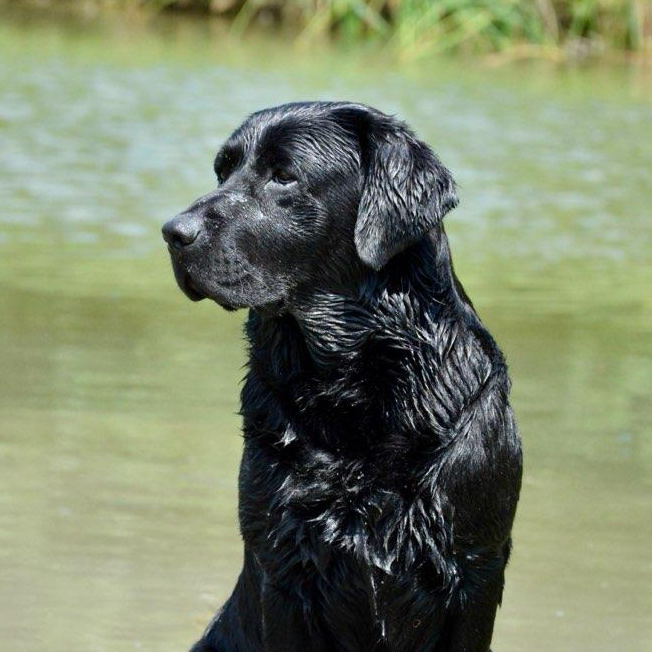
<point>308,195</point>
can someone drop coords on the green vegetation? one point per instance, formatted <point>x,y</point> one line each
<point>415,28</point>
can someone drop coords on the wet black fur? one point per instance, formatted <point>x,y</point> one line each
<point>382,464</point>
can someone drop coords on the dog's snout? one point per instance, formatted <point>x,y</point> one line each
<point>181,230</point>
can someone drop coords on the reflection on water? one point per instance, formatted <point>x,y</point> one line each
<point>119,442</point>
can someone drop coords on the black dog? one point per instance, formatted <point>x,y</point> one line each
<point>382,464</point>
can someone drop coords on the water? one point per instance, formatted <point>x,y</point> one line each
<point>119,442</point>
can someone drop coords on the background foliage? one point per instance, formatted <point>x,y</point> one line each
<point>553,29</point>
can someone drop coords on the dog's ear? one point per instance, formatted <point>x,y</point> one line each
<point>406,191</point>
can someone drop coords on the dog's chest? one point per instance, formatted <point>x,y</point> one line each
<point>365,554</point>
<point>322,505</point>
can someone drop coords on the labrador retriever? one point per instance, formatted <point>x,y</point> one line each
<point>382,464</point>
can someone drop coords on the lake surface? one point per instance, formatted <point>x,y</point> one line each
<point>119,442</point>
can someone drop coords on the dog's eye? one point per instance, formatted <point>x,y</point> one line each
<point>282,177</point>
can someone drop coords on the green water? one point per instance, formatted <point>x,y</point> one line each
<point>119,442</point>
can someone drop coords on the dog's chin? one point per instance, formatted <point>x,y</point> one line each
<point>267,309</point>
<point>231,301</point>
<point>230,307</point>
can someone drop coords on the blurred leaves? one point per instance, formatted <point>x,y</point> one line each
<point>418,27</point>
<point>549,28</point>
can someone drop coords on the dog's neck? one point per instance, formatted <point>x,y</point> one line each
<point>330,321</point>
<point>336,322</point>
<point>345,356</point>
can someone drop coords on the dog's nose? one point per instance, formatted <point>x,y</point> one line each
<point>181,230</point>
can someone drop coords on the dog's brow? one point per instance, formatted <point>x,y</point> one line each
<point>291,142</point>
<point>229,153</point>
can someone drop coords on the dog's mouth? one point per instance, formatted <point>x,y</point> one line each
<point>224,293</point>
<point>194,293</point>
<point>184,280</point>
<point>190,289</point>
